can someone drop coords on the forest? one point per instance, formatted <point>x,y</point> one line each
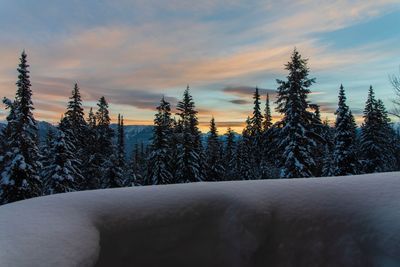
<point>84,153</point>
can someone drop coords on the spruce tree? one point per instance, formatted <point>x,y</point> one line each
<point>257,118</point>
<point>73,123</point>
<point>344,150</point>
<point>267,122</point>
<point>229,155</point>
<point>61,174</point>
<point>297,136</point>
<point>74,126</point>
<point>376,136</point>
<point>19,177</point>
<point>116,162</point>
<point>159,169</point>
<point>245,166</point>
<point>215,168</point>
<point>268,146</point>
<point>90,164</point>
<point>189,159</point>
<point>105,148</point>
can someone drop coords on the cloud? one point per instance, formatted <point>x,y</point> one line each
<point>239,101</point>
<point>136,98</point>
<point>246,90</point>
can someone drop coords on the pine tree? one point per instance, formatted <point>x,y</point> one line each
<point>159,170</point>
<point>74,126</point>
<point>257,119</point>
<point>268,146</point>
<point>327,157</point>
<point>90,165</point>
<point>298,138</point>
<point>121,140</point>
<point>116,162</point>
<point>19,177</point>
<point>61,174</point>
<point>215,168</point>
<point>190,158</point>
<point>105,148</point>
<point>267,123</point>
<point>73,123</point>
<point>319,129</point>
<point>376,134</point>
<point>245,165</point>
<point>344,156</point>
<point>229,155</point>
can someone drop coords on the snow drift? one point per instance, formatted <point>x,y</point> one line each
<point>339,221</point>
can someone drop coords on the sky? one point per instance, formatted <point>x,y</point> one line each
<point>135,52</point>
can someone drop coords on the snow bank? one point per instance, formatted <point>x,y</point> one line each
<point>341,221</point>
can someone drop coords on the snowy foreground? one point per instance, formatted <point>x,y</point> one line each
<point>341,221</point>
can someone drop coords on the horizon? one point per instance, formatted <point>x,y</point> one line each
<point>135,52</point>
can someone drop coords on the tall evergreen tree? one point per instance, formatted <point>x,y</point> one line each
<point>376,136</point>
<point>116,162</point>
<point>189,159</point>
<point>19,177</point>
<point>90,164</point>
<point>267,123</point>
<point>344,156</point>
<point>159,169</point>
<point>73,123</point>
<point>105,148</point>
<point>244,162</point>
<point>74,126</point>
<point>215,168</point>
<point>257,118</point>
<point>229,155</point>
<point>121,142</point>
<point>298,138</point>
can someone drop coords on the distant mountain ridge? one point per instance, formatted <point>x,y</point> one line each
<point>134,134</point>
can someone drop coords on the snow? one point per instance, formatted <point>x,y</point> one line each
<point>337,221</point>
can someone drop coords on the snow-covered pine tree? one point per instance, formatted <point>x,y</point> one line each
<point>105,148</point>
<point>256,133</point>
<point>297,136</point>
<point>215,169</point>
<point>19,177</point>
<point>344,150</point>
<point>375,147</point>
<point>116,163</point>
<point>121,155</point>
<point>158,167</point>
<point>267,122</point>
<point>388,138</point>
<point>245,166</point>
<point>319,129</point>
<point>257,118</point>
<point>327,158</point>
<point>61,174</point>
<point>189,158</point>
<point>174,146</point>
<point>90,164</point>
<point>73,123</point>
<point>229,155</point>
<point>74,126</point>
<point>268,146</point>
<point>114,173</point>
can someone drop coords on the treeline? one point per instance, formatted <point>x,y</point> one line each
<point>85,153</point>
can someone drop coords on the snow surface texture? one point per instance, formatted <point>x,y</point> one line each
<point>338,221</point>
